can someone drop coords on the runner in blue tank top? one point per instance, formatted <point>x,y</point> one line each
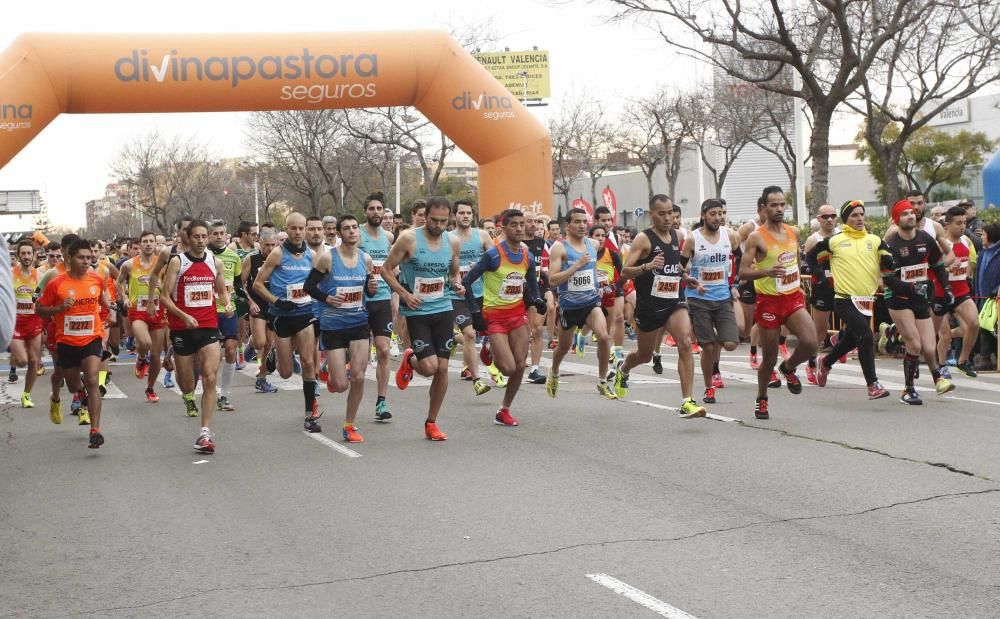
<point>376,243</point>
<point>572,270</point>
<point>428,261</point>
<point>285,272</point>
<point>339,283</point>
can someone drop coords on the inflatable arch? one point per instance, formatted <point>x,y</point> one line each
<point>44,75</point>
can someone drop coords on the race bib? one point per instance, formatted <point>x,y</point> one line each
<point>352,296</point>
<point>666,286</point>
<point>25,307</point>
<point>581,281</point>
<point>603,281</point>
<point>78,325</point>
<point>428,288</point>
<point>463,270</point>
<point>712,276</point>
<point>142,305</point>
<point>959,271</point>
<point>199,295</point>
<point>377,268</point>
<point>787,282</point>
<point>913,273</point>
<point>512,287</point>
<point>865,305</point>
<point>297,293</point>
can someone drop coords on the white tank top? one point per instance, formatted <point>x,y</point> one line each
<point>929,227</point>
<point>743,243</point>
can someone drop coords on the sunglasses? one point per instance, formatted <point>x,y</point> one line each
<point>826,217</point>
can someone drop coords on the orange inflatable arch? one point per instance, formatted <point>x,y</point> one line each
<point>44,75</point>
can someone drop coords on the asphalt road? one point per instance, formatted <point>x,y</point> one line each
<point>836,507</point>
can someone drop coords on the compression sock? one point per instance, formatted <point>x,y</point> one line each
<point>753,350</point>
<point>309,391</point>
<point>228,369</point>
<point>911,364</point>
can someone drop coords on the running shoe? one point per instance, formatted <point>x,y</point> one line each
<point>760,408</point>
<point>775,381</point>
<point>717,381</point>
<point>26,401</point>
<point>822,372</point>
<point>168,380</point>
<point>629,331</point>
<point>833,343</point>
<point>783,351</point>
<point>130,344</point>
<point>151,396</point>
<point>504,418</point>
<point>621,381</point>
<point>12,377</point>
<point>41,371</point>
<point>394,346</point>
<point>432,432</point>
<point>262,386</point>
<point>55,411</point>
<point>944,372</point>
<point>102,390</point>
<point>709,396</point>
<point>351,434</point>
<point>140,367</point>
<point>883,338</point>
<point>754,361</point>
<point>296,366</point>
<point>690,409</point>
<point>657,364</point>
<point>671,342</point>
<point>535,377</point>
<point>466,373</point>
<point>324,372</point>
<point>404,374</point>
<point>224,404</point>
<point>205,444</point>
<point>943,386</point>
<point>96,439</point>
<point>876,391</point>
<point>480,386</point>
<point>553,344</point>
<point>604,390</point>
<point>791,380</point>
<point>910,397</point>
<point>311,423</point>
<point>372,355</point>
<point>552,384</point>
<point>382,411</point>
<point>190,408</point>
<point>240,359</point>
<point>250,354</point>
<point>695,349</point>
<point>485,355</point>
<point>498,378</point>
<point>271,360</point>
<point>968,368</point>
<point>84,419</point>
<point>75,405</point>
<point>810,375</point>
<point>579,343</point>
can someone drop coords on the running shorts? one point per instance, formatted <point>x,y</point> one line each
<point>432,334</point>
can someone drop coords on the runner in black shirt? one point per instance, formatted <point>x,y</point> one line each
<point>261,332</point>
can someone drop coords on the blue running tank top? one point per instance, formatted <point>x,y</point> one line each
<point>288,282</point>
<point>472,250</point>
<point>580,290</point>
<point>711,264</point>
<point>378,249</point>
<point>349,281</point>
<point>426,275</point>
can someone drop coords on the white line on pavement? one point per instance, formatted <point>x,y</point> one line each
<point>955,397</point>
<point>334,445</point>
<point>200,462</point>
<point>113,392</point>
<point>640,597</point>
<point>674,409</point>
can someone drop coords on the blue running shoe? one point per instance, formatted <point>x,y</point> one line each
<point>168,380</point>
<point>262,386</point>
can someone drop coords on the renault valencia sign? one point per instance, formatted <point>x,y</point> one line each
<point>525,74</point>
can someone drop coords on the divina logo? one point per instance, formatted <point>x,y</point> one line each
<point>138,67</point>
<point>493,107</point>
<point>15,116</point>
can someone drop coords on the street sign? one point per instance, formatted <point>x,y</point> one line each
<point>639,212</point>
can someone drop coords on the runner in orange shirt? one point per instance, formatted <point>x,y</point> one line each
<point>74,300</point>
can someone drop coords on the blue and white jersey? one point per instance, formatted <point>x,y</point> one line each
<point>711,264</point>
<point>472,250</point>
<point>426,275</point>
<point>288,281</point>
<point>349,281</point>
<point>580,290</point>
<point>378,249</point>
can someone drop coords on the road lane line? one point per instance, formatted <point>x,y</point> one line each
<point>955,397</point>
<point>674,409</point>
<point>334,445</point>
<point>640,597</point>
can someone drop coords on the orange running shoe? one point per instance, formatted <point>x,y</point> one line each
<point>151,396</point>
<point>784,352</point>
<point>669,341</point>
<point>696,349</point>
<point>405,372</point>
<point>351,434</point>
<point>431,432</point>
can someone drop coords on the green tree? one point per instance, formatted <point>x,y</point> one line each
<point>931,157</point>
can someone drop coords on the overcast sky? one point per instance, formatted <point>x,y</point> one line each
<point>69,161</point>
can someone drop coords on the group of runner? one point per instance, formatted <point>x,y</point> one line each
<point>325,298</point>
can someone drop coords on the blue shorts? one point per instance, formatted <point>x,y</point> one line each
<point>228,327</point>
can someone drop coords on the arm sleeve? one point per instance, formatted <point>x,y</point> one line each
<point>616,259</point>
<point>819,252</point>
<point>890,271</point>
<point>489,261</point>
<point>531,280</point>
<point>8,307</point>
<point>312,285</point>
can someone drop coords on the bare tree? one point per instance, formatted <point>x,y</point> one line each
<point>591,141</point>
<point>673,119</point>
<point>638,135</point>
<point>942,60</point>
<point>723,124</point>
<point>830,44</point>
<point>566,167</point>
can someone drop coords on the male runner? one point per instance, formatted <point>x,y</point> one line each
<point>146,317</point>
<point>339,281</point>
<point>508,273</point>
<point>928,225</point>
<point>330,236</point>
<point>963,307</point>
<point>26,343</point>
<point>428,258</point>
<point>192,281</point>
<point>573,270</point>
<point>180,245</point>
<point>747,291</point>
<point>907,296</point>
<point>315,240</point>
<point>771,262</point>
<point>709,249</point>
<point>614,303</point>
<point>821,298</point>
<point>74,299</point>
<point>261,333</point>
<point>247,234</point>
<point>281,282</point>
<point>376,241</point>
<point>856,259</point>
<point>229,329</point>
<point>474,243</point>
<point>535,241</point>
<point>655,265</point>
<point>48,324</point>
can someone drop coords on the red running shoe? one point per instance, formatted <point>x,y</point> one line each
<point>876,391</point>
<point>669,341</point>
<point>504,418</point>
<point>432,433</point>
<point>717,381</point>
<point>783,351</point>
<point>695,349</point>
<point>709,396</point>
<point>810,375</point>
<point>141,367</point>
<point>754,361</point>
<point>760,409</point>
<point>822,371</point>
<point>151,396</point>
<point>775,381</point>
<point>405,372</point>
<point>485,355</point>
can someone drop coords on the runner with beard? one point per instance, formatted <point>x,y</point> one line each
<point>928,225</point>
<point>908,297</point>
<point>147,320</point>
<point>821,298</point>
<point>963,307</point>
<point>508,273</point>
<point>193,280</point>
<point>376,241</point>
<point>26,344</point>
<point>247,234</point>
<point>316,235</point>
<point>229,329</point>
<point>428,259</point>
<point>261,331</point>
<point>48,324</point>
<point>474,243</point>
<point>180,245</point>
<point>610,263</point>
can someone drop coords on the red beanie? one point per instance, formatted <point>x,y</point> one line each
<point>899,208</point>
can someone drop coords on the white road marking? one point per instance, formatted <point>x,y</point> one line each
<point>640,597</point>
<point>114,393</point>
<point>200,462</point>
<point>674,409</point>
<point>955,397</point>
<point>334,445</point>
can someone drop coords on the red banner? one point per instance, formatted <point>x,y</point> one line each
<point>609,201</point>
<point>581,203</point>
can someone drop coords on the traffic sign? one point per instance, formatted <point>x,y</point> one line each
<point>639,212</point>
